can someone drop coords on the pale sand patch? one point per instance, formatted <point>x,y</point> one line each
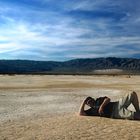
<point>108,71</point>
<point>44,107</point>
<point>15,104</point>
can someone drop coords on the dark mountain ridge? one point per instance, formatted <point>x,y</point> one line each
<point>75,66</point>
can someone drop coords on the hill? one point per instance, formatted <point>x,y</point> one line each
<point>110,65</point>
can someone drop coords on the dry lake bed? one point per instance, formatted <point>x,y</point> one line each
<point>44,107</point>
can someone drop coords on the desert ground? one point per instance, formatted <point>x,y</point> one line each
<point>44,107</point>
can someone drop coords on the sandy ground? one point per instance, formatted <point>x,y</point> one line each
<point>37,107</point>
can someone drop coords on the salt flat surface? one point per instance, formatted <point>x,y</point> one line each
<point>23,96</point>
<point>15,104</point>
<point>45,107</point>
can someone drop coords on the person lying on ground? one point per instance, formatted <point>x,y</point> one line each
<point>103,107</point>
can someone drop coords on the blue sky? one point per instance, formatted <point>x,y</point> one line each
<point>69,29</point>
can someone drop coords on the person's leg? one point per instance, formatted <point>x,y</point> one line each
<point>128,99</point>
<point>135,101</point>
<point>121,110</point>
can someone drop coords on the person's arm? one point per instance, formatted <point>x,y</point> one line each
<point>81,110</point>
<point>101,108</point>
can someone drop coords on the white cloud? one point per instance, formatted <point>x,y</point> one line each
<point>90,5</point>
<point>48,39</point>
<point>43,33</point>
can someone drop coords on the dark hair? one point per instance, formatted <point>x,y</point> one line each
<point>89,99</point>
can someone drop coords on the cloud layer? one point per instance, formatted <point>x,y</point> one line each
<point>52,30</point>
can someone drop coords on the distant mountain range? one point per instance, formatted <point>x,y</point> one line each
<point>110,65</point>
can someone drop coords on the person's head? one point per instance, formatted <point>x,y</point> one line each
<point>90,101</point>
